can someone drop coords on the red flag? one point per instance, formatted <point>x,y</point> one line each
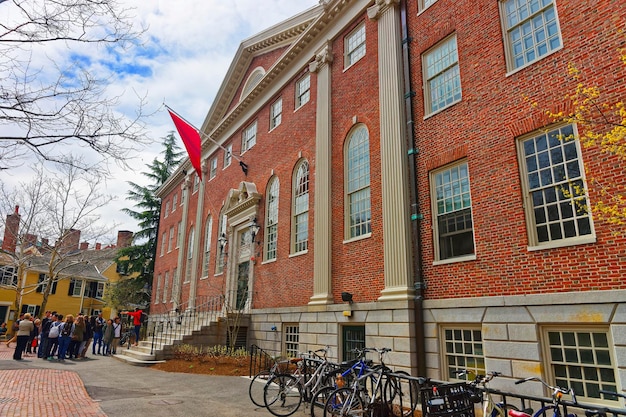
<point>191,139</point>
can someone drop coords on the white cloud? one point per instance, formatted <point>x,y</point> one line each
<point>186,50</point>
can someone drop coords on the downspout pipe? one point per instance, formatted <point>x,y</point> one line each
<point>418,280</point>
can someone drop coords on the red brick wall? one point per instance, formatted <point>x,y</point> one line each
<point>483,128</point>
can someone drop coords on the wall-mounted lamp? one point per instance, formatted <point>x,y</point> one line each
<point>254,230</point>
<point>274,328</point>
<point>346,297</point>
<point>222,240</point>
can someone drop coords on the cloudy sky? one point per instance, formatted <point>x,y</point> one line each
<point>182,61</point>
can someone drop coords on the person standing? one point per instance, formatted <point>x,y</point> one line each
<point>53,336</point>
<point>26,326</point>
<point>136,315</point>
<point>97,323</point>
<point>46,322</point>
<point>77,337</point>
<point>84,346</point>
<point>117,333</point>
<point>66,330</point>
<point>107,337</point>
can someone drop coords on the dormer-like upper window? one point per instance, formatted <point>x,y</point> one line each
<point>252,81</point>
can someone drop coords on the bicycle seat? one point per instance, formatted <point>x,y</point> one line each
<point>295,360</point>
<point>520,413</point>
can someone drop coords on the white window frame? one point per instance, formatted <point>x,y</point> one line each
<point>174,202</point>
<point>213,168</point>
<point>167,208</point>
<point>248,137</point>
<point>357,184</point>
<point>303,90</point>
<point>207,246</point>
<point>276,113</point>
<point>462,348</point>
<point>190,252</point>
<point>228,155</point>
<point>157,292</point>
<point>542,156</point>
<point>163,242</point>
<point>220,262</point>
<point>300,207</point>
<point>424,4</point>
<point>100,290</point>
<point>165,286</point>
<point>170,240</point>
<point>442,79</point>
<point>78,284</point>
<point>8,275</point>
<point>271,219</point>
<point>523,26</point>
<point>291,342</point>
<point>179,235</point>
<point>354,46</point>
<point>196,182</point>
<point>451,199</point>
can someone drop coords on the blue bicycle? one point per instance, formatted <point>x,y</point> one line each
<point>548,410</point>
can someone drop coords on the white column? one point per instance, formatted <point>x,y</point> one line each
<point>322,279</point>
<point>393,153</point>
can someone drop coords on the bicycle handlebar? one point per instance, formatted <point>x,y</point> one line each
<point>557,392</point>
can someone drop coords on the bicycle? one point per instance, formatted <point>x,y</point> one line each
<point>283,393</point>
<point>257,384</point>
<point>126,337</point>
<point>481,393</point>
<point>555,407</point>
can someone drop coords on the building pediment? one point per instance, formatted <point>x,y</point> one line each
<point>242,201</point>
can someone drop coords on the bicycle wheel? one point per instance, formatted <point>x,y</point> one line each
<point>282,395</point>
<point>319,399</point>
<point>502,410</point>
<point>401,394</point>
<point>344,402</point>
<point>256,388</point>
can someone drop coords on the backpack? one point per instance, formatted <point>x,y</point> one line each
<point>143,318</point>
<point>67,329</point>
<point>54,332</point>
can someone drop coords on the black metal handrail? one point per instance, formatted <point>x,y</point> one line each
<point>261,359</point>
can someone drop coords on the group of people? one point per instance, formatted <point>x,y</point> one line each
<point>65,337</point>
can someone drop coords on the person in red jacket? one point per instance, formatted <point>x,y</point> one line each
<point>136,315</point>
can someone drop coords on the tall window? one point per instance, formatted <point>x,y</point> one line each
<point>165,285</point>
<point>303,90</point>
<point>276,113</point>
<point>581,359</point>
<point>423,4</point>
<point>358,205</point>
<point>170,241</point>
<point>292,340</point>
<point>190,250</point>
<point>271,221</point>
<point>174,202</point>
<point>167,209</point>
<point>354,45</point>
<point>248,137</point>
<point>213,168</point>
<point>179,235</point>
<point>207,246</point>
<point>557,205</point>
<point>196,182</point>
<point>442,79</point>
<point>301,208</point>
<point>454,232</point>
<point>76,287</point>
<point>157,293</point>
<point>100,290</point>
<point>531,30</point>
<point>228,155</point>
<point>8,275</point>
<point>163,243</point>
<point>221,233</point>
<point>463,349</point>
<point>175,285</point>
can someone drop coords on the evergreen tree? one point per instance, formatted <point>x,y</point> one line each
<point>137,261</point>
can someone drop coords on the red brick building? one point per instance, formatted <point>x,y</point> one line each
<point>389,151</point>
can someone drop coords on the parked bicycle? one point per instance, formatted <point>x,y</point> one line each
<point>480,393</point>
<point>548,410</point>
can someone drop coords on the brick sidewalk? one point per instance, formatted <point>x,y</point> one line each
<point>43,392</point>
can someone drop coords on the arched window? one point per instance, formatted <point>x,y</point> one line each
<point>208,230</point>
<point>357,166</point>
<point>221,238</point>
<point>252,81</point>
<point>271,220</point>
<point>190,256</point>
<point>301,207</point>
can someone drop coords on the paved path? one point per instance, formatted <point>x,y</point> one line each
<point>104,386</point>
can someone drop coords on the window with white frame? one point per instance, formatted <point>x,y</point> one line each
<point>163,243</point>
<point>452,205</point>
<point>462,349</point>
<point>228,155</point>
<point>213,169</point>
<point>221,233</point>
<point>208,231</point>
<point>581,358</point>
<point>76,287</point>
<point>303,90</point>
<point>442,78</point>
<point>423,4</point>
<point>292,340</point>
<point>157,292</point>
<point>43,281</point>
<point>174,202</point>
<point>354,45</point>
<point>30,309</point>
<point>165,285</point>
<point>557,204</point>
<point>170,241</point>
<point>276,113</point>
<point>179,235</point>
<point>271,220</point>
<point>357,165</point>
<point>175,285</point>
<point>8,275</point>
<point>301,207</point>
<point>248,137</point>
<point>190,250</point>
<point>196,182</point>
<point>167,208</point>
<point>531,30</point>
<point>100,290</point>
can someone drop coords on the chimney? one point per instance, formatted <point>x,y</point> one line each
<point>98,246</point>
<point>45,243</point>
<point>84,245</point>
<point>30,239</point>
<point>11,229</point>
<point>70,241</point>
<point>124,238</point>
